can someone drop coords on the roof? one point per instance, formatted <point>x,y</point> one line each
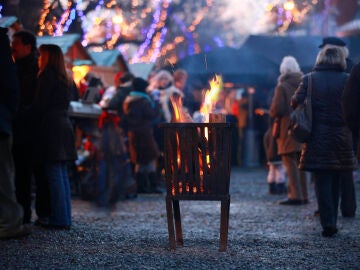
<point>70,44</point>
<point>105,58</point>
<point>64,42</point>
<point>7,21</point>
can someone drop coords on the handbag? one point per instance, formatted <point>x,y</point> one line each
<point>301,117</point>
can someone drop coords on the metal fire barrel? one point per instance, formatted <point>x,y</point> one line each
<point>197,161</point>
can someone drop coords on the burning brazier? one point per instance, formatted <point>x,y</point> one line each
<point>197,167</point>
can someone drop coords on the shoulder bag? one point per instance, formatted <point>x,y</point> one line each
<point>301,117</point>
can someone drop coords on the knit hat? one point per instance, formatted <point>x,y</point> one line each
<point>332,41</point>
<point>139,84</point>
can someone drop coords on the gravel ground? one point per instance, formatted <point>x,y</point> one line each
<point>262,235</point>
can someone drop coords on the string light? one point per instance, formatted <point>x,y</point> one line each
<point>109,22</point>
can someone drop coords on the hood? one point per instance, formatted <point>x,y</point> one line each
<point>293,79</point>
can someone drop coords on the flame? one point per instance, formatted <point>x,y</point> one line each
<point>180,114</point>
<point>211,96</point>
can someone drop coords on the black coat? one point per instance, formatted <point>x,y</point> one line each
<point>9,90</point>
<point>117,102</point>
<point>27,69</point>
<point>351,105</point>
<point>330,144</point>
<point>351,99</point>
<point>54,139</point>
<point>139,114</point>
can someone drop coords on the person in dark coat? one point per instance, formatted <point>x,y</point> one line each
<point>123,89</point>
<point>24,52</point>
<point>11,212</point>
<point>351,101</point>
<point>328,152</point>
<point>335,42</point>
<point>288,148</point>
<point>55,137</point>
<point>139,113</point>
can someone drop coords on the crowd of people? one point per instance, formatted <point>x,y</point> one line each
<point>329,154</point>
<point>40,140</point>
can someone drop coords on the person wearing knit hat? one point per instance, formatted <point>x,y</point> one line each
<point>139,114</point>
<point>140,85</point>
<point>331,42</point>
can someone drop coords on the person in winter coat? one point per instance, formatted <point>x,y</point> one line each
<point>55,137</point>
<point>24,52</point>
<point>139,114</point>
<point>351,101</point>
<point>276,176</point>
<point>163,81</point>
<point>288,148</point>
<point>328,153</point>
<point>11,212</point>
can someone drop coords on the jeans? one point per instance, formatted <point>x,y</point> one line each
<point>11,213</point>
<point>60,197</point>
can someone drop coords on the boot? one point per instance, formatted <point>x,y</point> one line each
<point>154,183</point>
<point>281,188</point>
<point>272,188</point>
<point>142,183</point>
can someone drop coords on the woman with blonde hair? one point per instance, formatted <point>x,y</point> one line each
<point>55,140</point>
<point>288,148</point>
<point>328,153</point>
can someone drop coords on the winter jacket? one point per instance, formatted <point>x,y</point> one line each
<point>330,144</point>
<point>139,114</point>
<point>280,107</point>
<point>351,108</point>
<point>9,93</point>
<point>116,103</point>
<point>54,138</point>
<point>27,69</point>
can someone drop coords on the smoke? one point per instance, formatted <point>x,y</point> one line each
<point>246,16</point>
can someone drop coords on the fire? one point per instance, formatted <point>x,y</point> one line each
<point>211,96</point>
<point>180,114</point>
<point>203,156</point>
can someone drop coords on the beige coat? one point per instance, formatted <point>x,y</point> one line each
<point>280,107</point>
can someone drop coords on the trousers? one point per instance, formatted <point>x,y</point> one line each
<point>11,212</point>
<point>297,181</point>
<point>60,196</point>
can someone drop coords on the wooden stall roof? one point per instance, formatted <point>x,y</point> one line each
<point>70,45</point>
<point>7,21</point>
<point>105,58</point>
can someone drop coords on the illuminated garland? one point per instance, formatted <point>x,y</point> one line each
<point>150,33</point>
<point>158,40</point>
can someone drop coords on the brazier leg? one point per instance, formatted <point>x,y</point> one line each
<point>170,220</point>
<point>224,223</point>
<point>177,216</point>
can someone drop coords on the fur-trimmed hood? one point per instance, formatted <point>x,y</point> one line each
<point>292,79</point>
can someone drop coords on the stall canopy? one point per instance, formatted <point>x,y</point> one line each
<point>70,45</point>
<point>242,66</point>
<point>7,21</point>
<point>106,58</point>
<point>275,48</point>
